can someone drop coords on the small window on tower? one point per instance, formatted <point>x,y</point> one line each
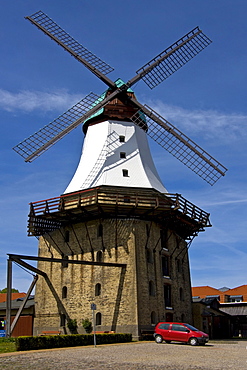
<point>98,318</point>
<point>153,318</point>
<point>64,263</point>
<point>125,173</point>
<point>164,239</point>
<point>122,155</point>
<point>178,265</point>
<point>149,255</point>
<point>151,288</point>
<point>99,256</point>
<point>64,292</point>
<point>100,231</point>
<point>167,296</point>
<point>66,236</point>
<point>122,139</point>
<point>165,265</point>
<point>97,289</point>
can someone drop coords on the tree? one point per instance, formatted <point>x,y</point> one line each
<point>13,290</point>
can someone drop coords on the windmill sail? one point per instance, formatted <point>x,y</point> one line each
<point>56,33</point>
<point>36,144</point>
<point>40,141</point>
<point>171,59</point>
<point>180,146</point>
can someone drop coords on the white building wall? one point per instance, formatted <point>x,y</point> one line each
<point>101,164</point>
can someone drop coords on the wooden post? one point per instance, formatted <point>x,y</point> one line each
<point>8,305</point>
<point>23,303</point>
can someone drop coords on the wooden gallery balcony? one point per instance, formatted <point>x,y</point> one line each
<point>175,211</point>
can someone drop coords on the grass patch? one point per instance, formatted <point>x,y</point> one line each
<point>7,345</point>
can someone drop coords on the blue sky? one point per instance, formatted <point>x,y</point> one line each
<point>206,100</point>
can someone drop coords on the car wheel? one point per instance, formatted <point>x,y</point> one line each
<point>158,339</point>
<point>193,341</point>
<point>168,341</point>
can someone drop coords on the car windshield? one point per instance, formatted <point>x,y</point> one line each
<point>191,327</point>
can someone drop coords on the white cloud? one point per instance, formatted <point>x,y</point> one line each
<point>232,194</point>
<point>208,123</point>
<point>28,101</point>
<point>227,202</point>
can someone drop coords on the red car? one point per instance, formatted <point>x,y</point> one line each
<point>179,332</point>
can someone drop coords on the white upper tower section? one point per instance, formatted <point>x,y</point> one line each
<point>115,153</point>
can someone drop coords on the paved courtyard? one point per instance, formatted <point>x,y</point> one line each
<point>133,356</point>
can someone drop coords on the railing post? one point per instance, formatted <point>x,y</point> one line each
<point>31,213</point>
<point>46,207</point>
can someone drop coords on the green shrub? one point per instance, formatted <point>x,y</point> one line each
<point>72,325</point>
<point>87,325</point>
<point>59,341</point>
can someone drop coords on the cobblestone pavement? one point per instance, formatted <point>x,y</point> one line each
<point>133,356</point>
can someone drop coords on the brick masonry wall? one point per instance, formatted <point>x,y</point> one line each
<point>126,301</point>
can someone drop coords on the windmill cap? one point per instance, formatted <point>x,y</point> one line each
<point>120,110</point>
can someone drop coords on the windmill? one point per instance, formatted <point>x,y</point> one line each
<point>152,73</point>
<point>128,235</point>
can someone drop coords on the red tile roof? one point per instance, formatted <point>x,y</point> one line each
<point>239,290</point>
<point>3,296</point>
<point>203,291</point>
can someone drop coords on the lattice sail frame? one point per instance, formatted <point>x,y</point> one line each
<point>53,29</point>
<point>180,146</point>
<point>56,130</point>
<point>174,57</point>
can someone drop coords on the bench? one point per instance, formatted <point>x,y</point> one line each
<point>51,332</point>
<point>104,332</point>
<point>57,332</point>
<point>147,335</point>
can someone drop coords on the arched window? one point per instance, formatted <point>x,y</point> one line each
<point>181,294</point>
<point>64,263</point>
<point>98,318</point>
<point>64,292</point>
<point>99,256</point>
<point>167,296</point>
<point>151,288</point>
<point>163,239</point>
<point>97,289</point>
<point>165,265</point>
<point>66,236</point>
<point>100,231</point>
<point>149,255</point>
<point>153,318</point>
<point>147,230</point>
<point>178,242</point>
<point>178,265</point>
